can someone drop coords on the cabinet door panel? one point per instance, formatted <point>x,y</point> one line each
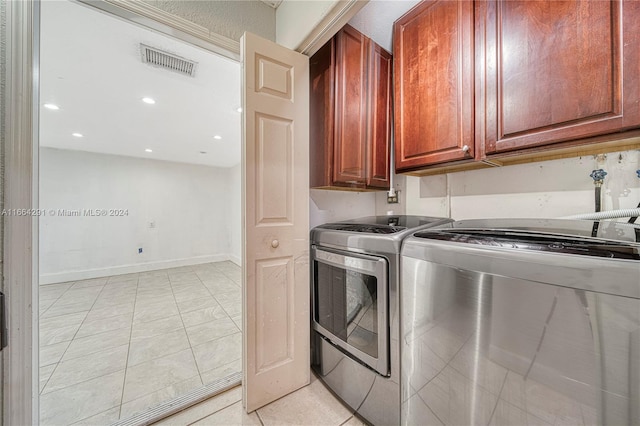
<point>380,72</point>
<point>434,84</point>
<point>554,71</point>
<point>351,112</point>
<point>321,114</point>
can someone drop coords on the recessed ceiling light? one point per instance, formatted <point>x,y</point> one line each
<point>149,101</point>
<point>239,109</point>
<point>148,150</point>
<point>51,106</point>
<point>77,135</point>
<point>218,137</point>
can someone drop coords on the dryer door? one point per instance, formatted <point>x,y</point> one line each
<point>350,304</point>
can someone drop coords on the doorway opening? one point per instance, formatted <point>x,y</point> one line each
<point>140,244</point>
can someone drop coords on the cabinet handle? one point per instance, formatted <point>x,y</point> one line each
<point>465,148</point>
<point>275,243</point>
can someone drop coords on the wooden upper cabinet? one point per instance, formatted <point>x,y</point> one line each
<point>433,49</point>
<point>350,143</point>
<point>379,126</point>
<point>350,114</point>
<point>321,113</point>
<point>554,71</point>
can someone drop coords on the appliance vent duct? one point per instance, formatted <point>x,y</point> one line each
<point>166,60</point>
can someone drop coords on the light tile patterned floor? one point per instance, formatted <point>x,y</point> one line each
<point>111,347</point>
<point>311,405</point>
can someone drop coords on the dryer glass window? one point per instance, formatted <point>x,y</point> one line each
<point>347,306</point>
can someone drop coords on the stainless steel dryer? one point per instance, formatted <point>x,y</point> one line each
<point>521,322</point>
<point>355,348</point>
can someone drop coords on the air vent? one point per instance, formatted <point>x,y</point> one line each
<point>166,60</point>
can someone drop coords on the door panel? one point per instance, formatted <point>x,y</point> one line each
<point>322,112</point>
<point>351,106</point>
<point>276,232</point>
<point>433,48</point>
<point>555,71</point>
<point>380,72</point>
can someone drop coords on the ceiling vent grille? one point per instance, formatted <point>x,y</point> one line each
<point>169,61</point>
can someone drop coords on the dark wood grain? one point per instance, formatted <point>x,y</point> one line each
<point>554,71</point>
<point>321,112</point>
<point>351,111</point>
<point>379,123</point>
<point>433,49</point>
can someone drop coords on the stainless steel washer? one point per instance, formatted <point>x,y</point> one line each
<point>521,322</point>
<point>355,273</point>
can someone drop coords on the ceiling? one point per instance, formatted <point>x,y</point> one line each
<point>273,3</point>
<point>91,68</point>
<point>376,19</point>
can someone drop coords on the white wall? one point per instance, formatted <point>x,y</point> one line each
<point>332,206</point>
<point>295,19</point>
<point>376,19</point>
<point>538,190</point>
<point>189,205</point>
<point>235,213</point>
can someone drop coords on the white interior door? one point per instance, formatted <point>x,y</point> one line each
<point>276,232</point>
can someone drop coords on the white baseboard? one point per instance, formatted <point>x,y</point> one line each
<point>61,277</point>
<point>235,259</point>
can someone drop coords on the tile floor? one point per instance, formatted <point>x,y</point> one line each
<point>309,406</point>
<point>111,347</point>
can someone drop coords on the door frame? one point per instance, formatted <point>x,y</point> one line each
<point>20,265</point>
<point>19,360</point>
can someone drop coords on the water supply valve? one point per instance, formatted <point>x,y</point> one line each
<point>638,173</point>
<point>598,177</point>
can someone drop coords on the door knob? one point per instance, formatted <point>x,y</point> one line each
<point>275,243</point>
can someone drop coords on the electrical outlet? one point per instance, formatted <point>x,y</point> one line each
<point>392,199</point>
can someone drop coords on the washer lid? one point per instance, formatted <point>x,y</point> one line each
<point>578,237</point>
<point>382,224</point>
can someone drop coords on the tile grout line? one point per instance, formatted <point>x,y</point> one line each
<point>90,309</point>
<point>217,301</point>
<point>130,335</point>
<point>258,415</point>
<point>72,339</point>
<point>54,368</point>
<point>493,412</point>
<point>93,415</point>
<point>447,364</point>
<point>219,304</point>
<point>184,327</point>
<point>226,313</point>
<point>211,414</point>
<point>346,421</point>
<point>126,363</point>
<point>54,302</point>
<point>87,380</point>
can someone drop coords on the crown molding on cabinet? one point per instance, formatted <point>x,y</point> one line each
<point>337,18</point>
